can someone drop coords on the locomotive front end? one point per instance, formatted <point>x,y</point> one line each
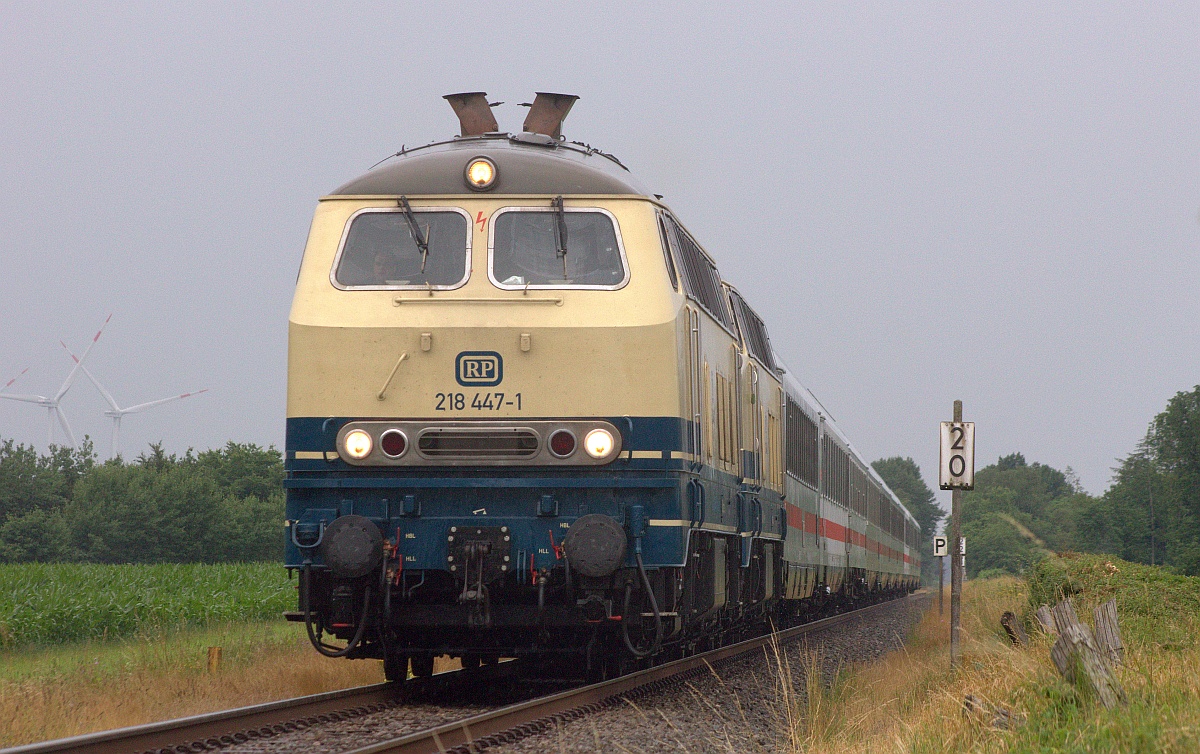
<point>482,381</point>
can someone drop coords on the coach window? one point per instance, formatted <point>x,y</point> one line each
<point>388,249</point>
<point>531,247</point>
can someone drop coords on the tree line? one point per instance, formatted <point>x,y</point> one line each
<point>222,505</point>
<point>227,505</point>
<point>1019,511</point>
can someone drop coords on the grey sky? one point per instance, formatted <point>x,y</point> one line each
<point>993,202</point>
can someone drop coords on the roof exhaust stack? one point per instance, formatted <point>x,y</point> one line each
<point>547,113</point>
<point>474,114</point>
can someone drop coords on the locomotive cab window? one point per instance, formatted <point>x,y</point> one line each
<point>556,248</point>
<point>394,249</point>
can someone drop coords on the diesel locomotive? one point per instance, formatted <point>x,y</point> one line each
<point>527,418</point>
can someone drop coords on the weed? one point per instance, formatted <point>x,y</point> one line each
<point>910,701</point>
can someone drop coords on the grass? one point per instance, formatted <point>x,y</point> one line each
<point>43,604</point>
<point>93,647</point>
<point>73,689</point>
<point>911,702</point>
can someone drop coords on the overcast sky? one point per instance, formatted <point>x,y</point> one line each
<point>994,202</point>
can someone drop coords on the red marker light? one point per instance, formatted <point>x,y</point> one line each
<point>562,443</point>
<point>394,443</point>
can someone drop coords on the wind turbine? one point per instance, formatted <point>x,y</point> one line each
<point>52,404</point>
<point>115,411</point>
<point>9,384</point>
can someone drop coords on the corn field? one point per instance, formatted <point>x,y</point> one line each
<point>53,603</point>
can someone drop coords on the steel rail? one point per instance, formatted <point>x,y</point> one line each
<point>517,721</point>
<point>234,726</point>
<point>510,723</point>
<point>219,725</point>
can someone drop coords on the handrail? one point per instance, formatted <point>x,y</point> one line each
<point>398,300</point>
<point>383,390</point>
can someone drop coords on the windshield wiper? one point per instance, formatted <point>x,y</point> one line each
<point>560,231</point>
<point>420,238</point>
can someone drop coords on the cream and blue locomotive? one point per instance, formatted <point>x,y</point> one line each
<point>527,418</point>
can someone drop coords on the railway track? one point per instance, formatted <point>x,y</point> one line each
<point>514,722</point>
<point>507,724</point>
<point>217,730</point>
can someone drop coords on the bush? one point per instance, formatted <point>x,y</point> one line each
<point>220,505</point>
<point>1050,582</point>
<point>1160,606</point>
<point>39,536</point>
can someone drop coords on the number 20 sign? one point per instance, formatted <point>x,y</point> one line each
<point>958,456</point>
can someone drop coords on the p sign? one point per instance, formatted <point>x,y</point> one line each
<point>958,456</point>
<point>941,547</point>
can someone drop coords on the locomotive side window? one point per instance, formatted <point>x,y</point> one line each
<point>568,248</point>
<point>380,250</point>
<point>756,332</point>
<point>700,276</point>
<point>666,244</point>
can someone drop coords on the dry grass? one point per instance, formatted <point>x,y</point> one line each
<point>886,706</point>
<point>83,688</point>
<point>911,702</point>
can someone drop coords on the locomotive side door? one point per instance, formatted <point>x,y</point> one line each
<point>755,438</point>
<point>695,371</point>
<point>738,357</point>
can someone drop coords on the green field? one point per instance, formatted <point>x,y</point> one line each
<point>45,604</point>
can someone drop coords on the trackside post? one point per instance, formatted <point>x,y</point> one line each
<point>957,473</point>
<point>941,547</point>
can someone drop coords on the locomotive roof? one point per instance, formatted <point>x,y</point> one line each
<point>525,164</point>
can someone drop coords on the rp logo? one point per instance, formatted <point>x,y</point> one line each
<point>479,368</point>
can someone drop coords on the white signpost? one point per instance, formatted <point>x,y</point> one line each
<point>956,472</point>
<point>941,548</point>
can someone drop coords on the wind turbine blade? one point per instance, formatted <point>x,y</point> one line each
<point>8,384</point>
<point>112,402</point>
<point>160,401</point>
<point>107,396</point>
<point>79,362</point>
<point>62,420</point>
<point>25,398</point>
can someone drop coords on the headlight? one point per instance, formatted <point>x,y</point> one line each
<point>357,444</point>
<point>480,173</point>
<point>598,443</point>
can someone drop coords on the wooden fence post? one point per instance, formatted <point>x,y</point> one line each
<point>1046,620</point>
<point>1014,629</point>
<point>1108,634</point>
<point>1078,658</point>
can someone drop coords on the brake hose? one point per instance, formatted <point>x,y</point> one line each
<point>329,650</point>
<point>658,627</point>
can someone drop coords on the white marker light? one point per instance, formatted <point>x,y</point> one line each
<point>357,444</point>
<point>598,443</point>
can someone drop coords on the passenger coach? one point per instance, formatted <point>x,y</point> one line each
<point>527,418</point>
